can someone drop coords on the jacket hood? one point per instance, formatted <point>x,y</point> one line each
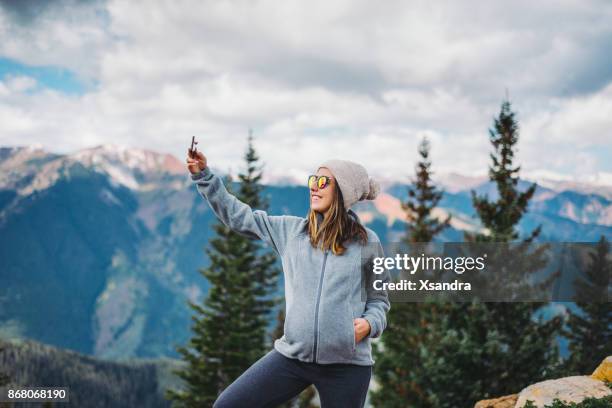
<point>353,214</point>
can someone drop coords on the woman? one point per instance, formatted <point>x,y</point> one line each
<point>329,321</point>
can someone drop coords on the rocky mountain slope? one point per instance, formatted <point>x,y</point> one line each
<point>100,249</point>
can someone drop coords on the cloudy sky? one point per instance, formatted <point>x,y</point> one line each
<point>360,80</point>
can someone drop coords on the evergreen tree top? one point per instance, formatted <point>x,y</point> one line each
<point>422,199</point>
<point>501,217</point>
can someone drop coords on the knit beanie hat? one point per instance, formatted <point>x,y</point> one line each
<point>353,181</point>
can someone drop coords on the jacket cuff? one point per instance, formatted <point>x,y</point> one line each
<point>205,174</point>
<point>373,328</point>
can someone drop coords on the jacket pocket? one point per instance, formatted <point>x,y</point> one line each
<point>352,327</point>
<point>336,336</point>
<point>287,331</point>
<point>295,329</point>
<point>298,336</point>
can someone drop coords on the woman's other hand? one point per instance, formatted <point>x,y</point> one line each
<point>196,163</point>
<point>362,328</point>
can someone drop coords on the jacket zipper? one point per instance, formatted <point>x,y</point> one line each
<point>316,321</point>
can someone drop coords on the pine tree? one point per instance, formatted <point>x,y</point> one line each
<point>590,330</point>
<point>422,199</point>
<point>229,329</point>
<point>398,368</point>
<point>500,217</point>
<point>4,378</point>
<point>481,350</point>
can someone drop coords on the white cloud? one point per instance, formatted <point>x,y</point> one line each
<point>16,84</point>
<point>72,35</point>
<point>583,121</point>
<point>348,79</point>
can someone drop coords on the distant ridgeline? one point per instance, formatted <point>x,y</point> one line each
<point>100,249</point>
<point>91,381</point>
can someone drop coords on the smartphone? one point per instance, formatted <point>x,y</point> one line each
<point>193,149</point>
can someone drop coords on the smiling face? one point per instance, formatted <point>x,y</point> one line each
<point>321,199</point>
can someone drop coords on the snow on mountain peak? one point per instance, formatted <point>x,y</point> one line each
<point>132,158</point>
<point>132,167</point>
<point>126,165</point>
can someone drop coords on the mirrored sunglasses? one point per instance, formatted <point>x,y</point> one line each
<point>319,181</point>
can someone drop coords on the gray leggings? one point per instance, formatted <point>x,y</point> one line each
<point>274,379</point>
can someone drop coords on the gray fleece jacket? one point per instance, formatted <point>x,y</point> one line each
<point>323,292</point>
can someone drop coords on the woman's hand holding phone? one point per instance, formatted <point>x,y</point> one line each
<point>196,161</point>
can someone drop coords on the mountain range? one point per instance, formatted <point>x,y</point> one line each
<point>100,249</point>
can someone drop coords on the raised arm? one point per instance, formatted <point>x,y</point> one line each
<point>237,215</point>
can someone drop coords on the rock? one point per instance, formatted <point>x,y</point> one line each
<point>568,389</point>
<point>604,371</point>
<point>507,401</point>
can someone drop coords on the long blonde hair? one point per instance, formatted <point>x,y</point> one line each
<point>336,228</point>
